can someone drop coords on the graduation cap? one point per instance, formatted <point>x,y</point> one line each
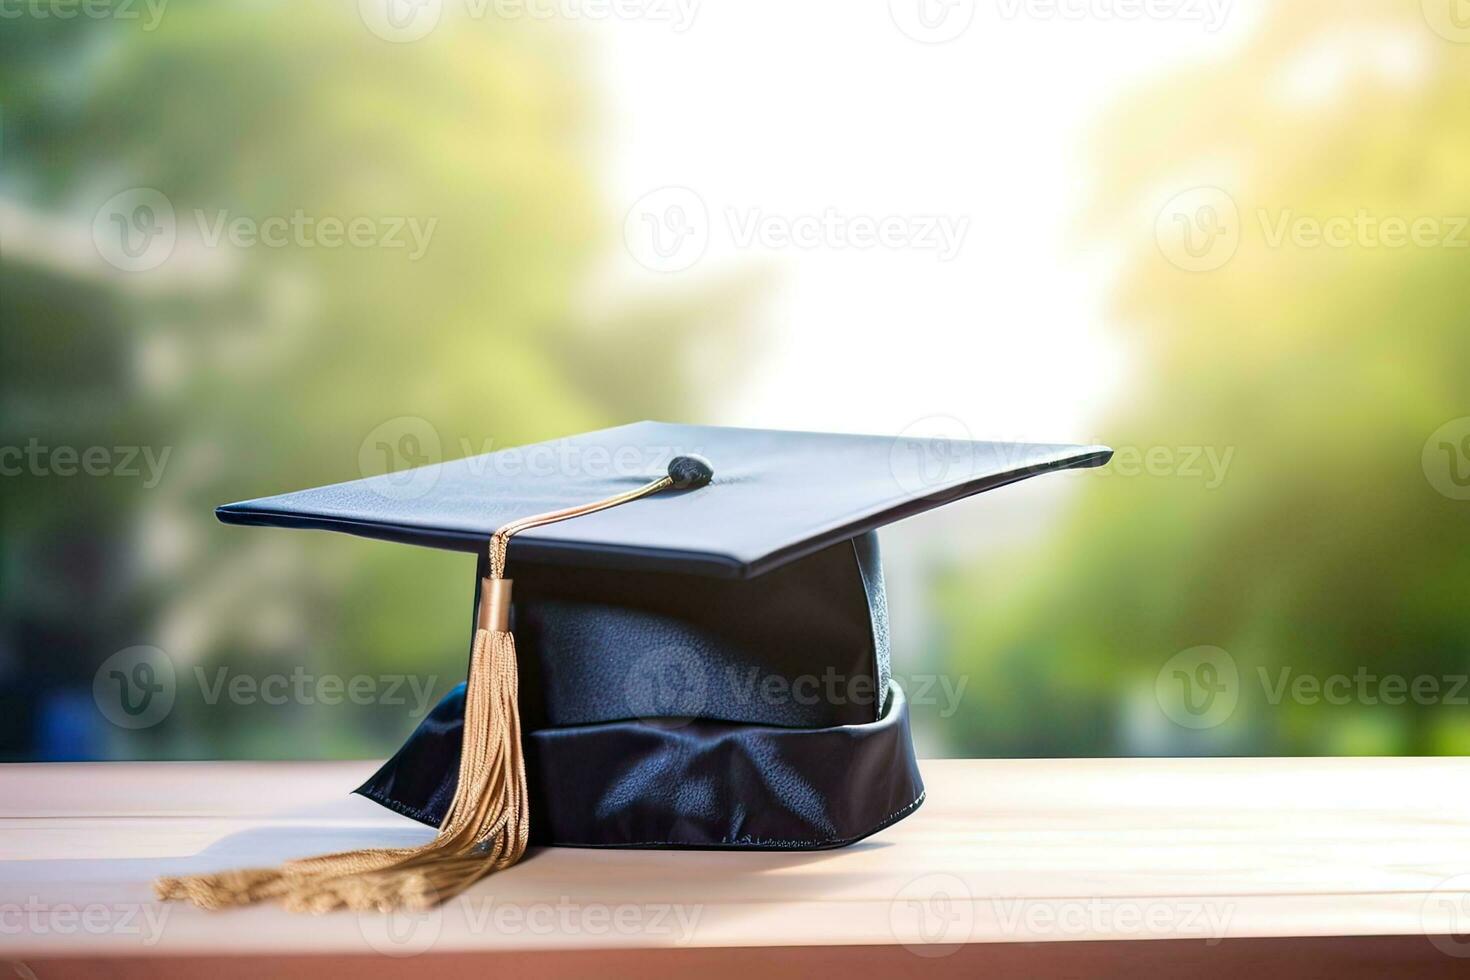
<point>696,654</point>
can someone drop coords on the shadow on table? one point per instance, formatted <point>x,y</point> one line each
<point>353,823</point>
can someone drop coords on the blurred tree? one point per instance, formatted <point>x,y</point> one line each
<point>260,368</point>
<point>1326,548</point>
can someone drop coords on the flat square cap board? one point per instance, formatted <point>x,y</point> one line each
<point>776,496</point>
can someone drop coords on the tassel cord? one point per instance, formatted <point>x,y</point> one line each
<point>487,825</point>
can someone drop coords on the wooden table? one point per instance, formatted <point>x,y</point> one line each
<point>1213,867</point>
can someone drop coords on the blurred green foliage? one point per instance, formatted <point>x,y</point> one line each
<point>266,369</point>
<point>1307,386</point>
<point>1327,548</point>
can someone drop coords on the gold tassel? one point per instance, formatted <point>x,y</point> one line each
<point>487,825</point>
<point>486,828</point>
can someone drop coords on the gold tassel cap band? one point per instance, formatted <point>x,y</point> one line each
<point>494,614</point>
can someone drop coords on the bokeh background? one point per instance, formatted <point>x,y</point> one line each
<point>257,246</point>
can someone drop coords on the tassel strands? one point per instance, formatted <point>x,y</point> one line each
<point>486,829</point>
<point>487,826</point>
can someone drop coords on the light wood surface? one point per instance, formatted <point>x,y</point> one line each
<point>1199,854</point>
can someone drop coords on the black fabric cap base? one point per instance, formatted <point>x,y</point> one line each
<point>670,783</point>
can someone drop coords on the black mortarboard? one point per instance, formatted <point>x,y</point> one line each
<point>697,662</point>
